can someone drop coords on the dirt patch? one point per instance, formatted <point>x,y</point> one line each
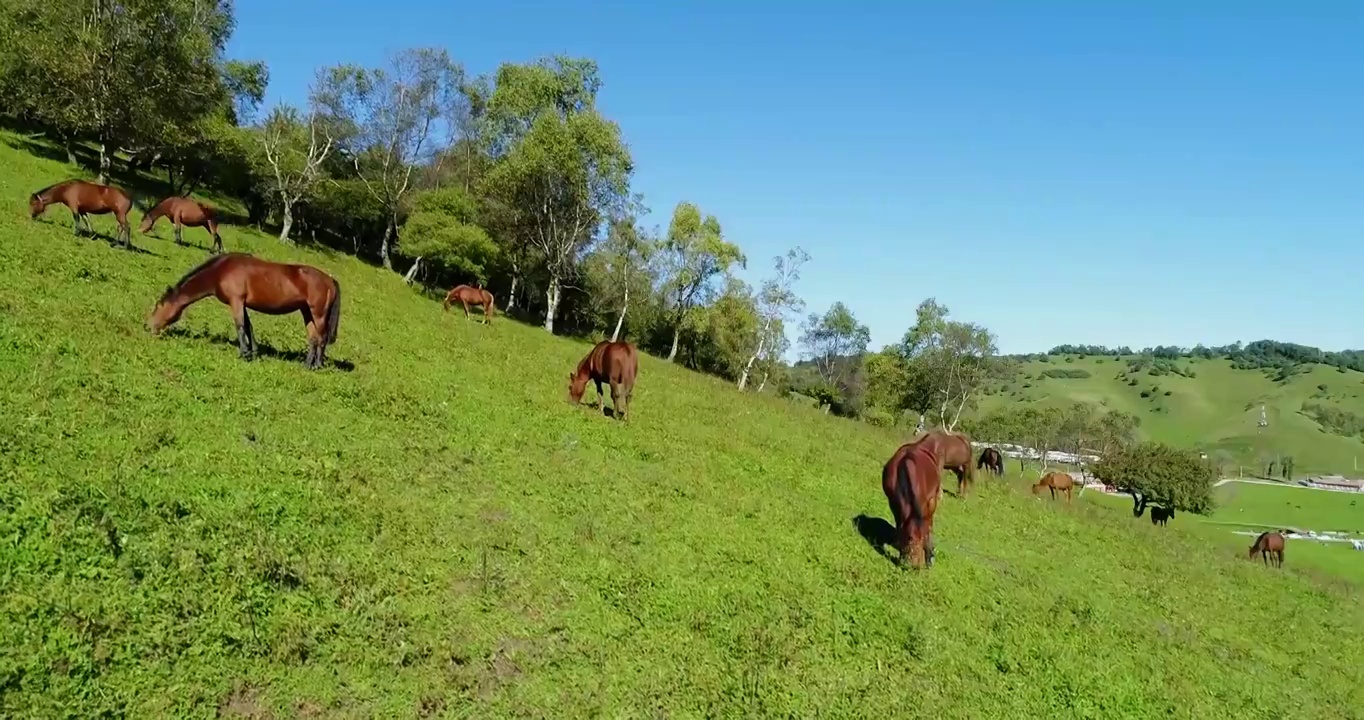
<point>244,702</point>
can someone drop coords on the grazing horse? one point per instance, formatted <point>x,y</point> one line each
<point>611,362</point>
<point>954,450</point>
<point>244,282</point>
<point>468,295</point>
<point>1160,515</point>
<point>992,460</point>
<point>1056,482</point>
<point>912,483</point>
<point>184,211</point>
<point>1269,545</point>
<point>84,198</point>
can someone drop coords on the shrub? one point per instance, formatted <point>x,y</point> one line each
<point>1071,373</point>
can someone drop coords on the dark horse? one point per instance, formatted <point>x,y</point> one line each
<point>954,450</point>
<point>1057,482</point>
<point>468,295</point>
<point>183,211</point>
<point>1160,515</point>
<point>1269,545</point>
<point>611,362</point>
<point>992,460</point>
<point>85,198</point>
<point>244,282</point>
<point>913,485</point>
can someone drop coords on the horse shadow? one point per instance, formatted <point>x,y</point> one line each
<point>878,533</point>
<point>266,350</point>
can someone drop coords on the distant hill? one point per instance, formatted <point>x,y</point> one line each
<point>1313,400</point>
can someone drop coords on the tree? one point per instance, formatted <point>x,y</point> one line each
<point>386,118</point>
<point>560,168</point>
<point>776,301</point>
<point>887,375</point>
<point>836,342</point>
<point>625,256</point>
<point>442,229</point>
<point>1157,473</point>
<point>126,73</point>
<point>950,362</point>
<point>292,152</point>
<point>717,336</point>
<point>697,254</point>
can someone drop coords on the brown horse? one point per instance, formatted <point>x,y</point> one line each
<point>912,483</point>
<point>611,362</point>
<point>1056,482</point>
<point>954,449</point>
<point>992,460</point>
<point>244,282</point>
<point>184,211</point>
<point>468,295</point>
<point>85,198</point>
<point>1270,546</point>
<point>1160,515</point>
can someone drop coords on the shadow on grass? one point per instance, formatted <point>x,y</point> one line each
<point>263,350</point>
<point>878,533</point>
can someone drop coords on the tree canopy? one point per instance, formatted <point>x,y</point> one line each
<point>1158,473</point>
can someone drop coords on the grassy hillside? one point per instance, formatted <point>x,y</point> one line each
<point>427,528</point>
<point>1216,409</point>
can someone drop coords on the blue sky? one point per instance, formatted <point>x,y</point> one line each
<point>1058,172</point>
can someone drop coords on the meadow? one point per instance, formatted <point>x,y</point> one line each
<point>1216,410</point>
<point>426,528</point>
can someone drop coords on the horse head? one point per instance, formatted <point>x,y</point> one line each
<point>577,384</point>
<point>164,313</point>
<point>36,205</point>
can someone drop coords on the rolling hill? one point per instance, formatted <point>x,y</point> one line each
<point>1212,406</point>
<point>426,528</point>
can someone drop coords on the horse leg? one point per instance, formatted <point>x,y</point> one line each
<point>179,233</point>
<point>616,406</point>
<point>961,480</point>
<point>75,222</point>
<point>243,322</point>
<point>313,359</point>
<point>466,312</point>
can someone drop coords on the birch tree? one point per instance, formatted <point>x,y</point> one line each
<point>776,301</point>
<point>293,150</point>
<point>626,253</point>
<point>392,119</point>
<point>560,168</point>
<point>697,255</point>
<point>950,362</point>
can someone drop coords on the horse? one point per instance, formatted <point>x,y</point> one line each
<point>992,460</point>
<point>468,295</point>
<point>615,363</point>
<point>1160,516</point>
<point>1056,482</point>
<point>184,211</point>
<point>1269,545</point>
<point>912,483</point>
<point>243,282</point>
<point>954,449</point>
<point>84,198</point>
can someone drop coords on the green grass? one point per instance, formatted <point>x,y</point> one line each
<point>437,532</point>
<point>1295,507</point>
<point>1218,409</point>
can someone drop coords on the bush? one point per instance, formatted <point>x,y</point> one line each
<point>1070,359</point>
<point>1167,393</point>
<point>878,417</point>
<point>1069,373</point>
<point>1132,382</point>
<point>1145,394</point>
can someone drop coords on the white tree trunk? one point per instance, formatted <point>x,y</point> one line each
<point>511,296</point>
<point>104,163</point>
<point>412,271</point>
<point>677,335</point>
<point>615,335</point>
<point>385,249</point>
<point>287,222</point>
<point>748,367</point>
<point>762,384</point>
<point>552,294</point>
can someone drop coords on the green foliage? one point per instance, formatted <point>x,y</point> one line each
<point>1334,419</point>
<point>696,255</point>
<point>442,230</point>
<point>1070,373</point>
<point>1161,474</point>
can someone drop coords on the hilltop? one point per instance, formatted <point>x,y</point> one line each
<point>426,527</point>
<point>1315,412</point>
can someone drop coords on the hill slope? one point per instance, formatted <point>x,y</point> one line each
<point>428,528</point>
<point>1216,409</point>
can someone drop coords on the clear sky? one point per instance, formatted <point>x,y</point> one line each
<point>1058,172</point>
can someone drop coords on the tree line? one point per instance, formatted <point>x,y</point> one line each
<point>1258,355</point>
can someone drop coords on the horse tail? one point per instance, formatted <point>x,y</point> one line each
<point>902,486</point>
<point>334,313</point>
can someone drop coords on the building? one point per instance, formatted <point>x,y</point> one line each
<point>1333,482</point>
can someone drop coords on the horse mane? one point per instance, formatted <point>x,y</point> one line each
<point>193,271</point>
<point>54,185</point>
